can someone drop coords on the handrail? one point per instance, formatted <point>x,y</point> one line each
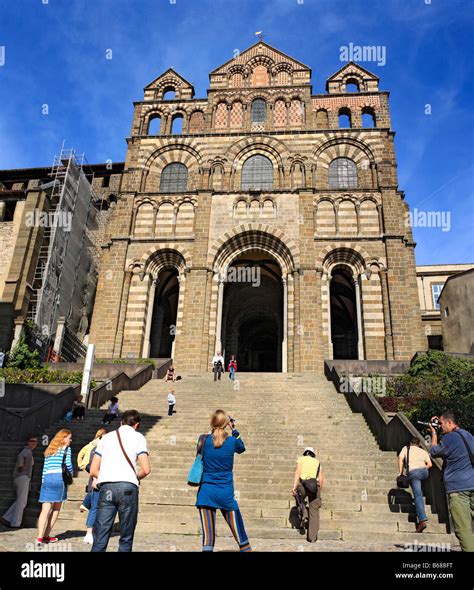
<point>392,434</point>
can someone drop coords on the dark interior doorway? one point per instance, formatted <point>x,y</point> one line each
<point>252,316</point>
<point>343,315</point>
<point>165,308</point>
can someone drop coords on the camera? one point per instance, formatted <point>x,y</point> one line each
<point>232,420</point>
<point>436,424</point>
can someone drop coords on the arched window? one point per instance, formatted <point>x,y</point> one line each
<point>174,178</point>
<point>154,125</point>
<point>352,85</point>
<point>177,125</point>
<point>345,120</point>
<point>259,111</point>
<point>257,173</point>
<point>368,117</point>
<point>342,173</point>
<point>322,120</point>
<point>169,93</point>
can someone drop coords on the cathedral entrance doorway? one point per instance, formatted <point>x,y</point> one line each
<point>343,303</point>
<point>252,313</point>
<point>165,307</point>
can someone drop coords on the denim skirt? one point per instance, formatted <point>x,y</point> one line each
<point>53,488</point>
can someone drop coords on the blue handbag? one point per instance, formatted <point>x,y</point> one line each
<point>195,473</point>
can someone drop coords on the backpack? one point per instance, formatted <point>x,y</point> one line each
<point>83,458</point>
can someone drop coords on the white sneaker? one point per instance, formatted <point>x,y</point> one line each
<point>82,508</point>
<point>89,539</point>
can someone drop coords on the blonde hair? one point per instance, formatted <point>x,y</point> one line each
<point>57,442</point>
<point>219,421</point>
<point>100,433</point>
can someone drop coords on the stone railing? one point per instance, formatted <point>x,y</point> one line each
<point>391,433</point>
<point>29,409</point>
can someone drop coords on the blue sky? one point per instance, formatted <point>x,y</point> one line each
<point>55,54</point>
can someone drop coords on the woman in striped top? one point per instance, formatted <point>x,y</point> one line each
<point>53,489</point>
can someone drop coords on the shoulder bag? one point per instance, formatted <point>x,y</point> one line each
<point>196,471</point>
<point>311,484</point>
<point>402,480</point>
<point>469,452</point>
<point>67,475</point>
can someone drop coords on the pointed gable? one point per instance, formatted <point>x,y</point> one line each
<point>260,65</point>
<point>352,72</point>
<point>170,80</point>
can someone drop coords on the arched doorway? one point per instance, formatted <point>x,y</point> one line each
<point>343,301</point>
<point>165,309</point>
<point>252,313</point>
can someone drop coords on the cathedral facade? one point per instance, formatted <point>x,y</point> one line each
<point>262,221</point>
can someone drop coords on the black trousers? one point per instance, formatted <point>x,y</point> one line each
<point>170,409</point>
<point>79,412</point>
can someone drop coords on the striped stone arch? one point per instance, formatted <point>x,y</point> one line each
<point>163,256</point>
<point>254,236</point>
<point>180,151</point>
<point>272,145</point>
<point>346,147</point>
<point>346,253</point>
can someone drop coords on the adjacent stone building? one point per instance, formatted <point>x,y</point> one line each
<point>456,302</point>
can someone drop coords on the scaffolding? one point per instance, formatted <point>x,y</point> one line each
<point>58,269</point>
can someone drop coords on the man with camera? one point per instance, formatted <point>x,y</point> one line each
<point>457,449</point>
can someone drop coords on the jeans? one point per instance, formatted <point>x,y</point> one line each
<point>94,501</point>
<point>121,497</point>
<point>14,515</point>
<point>232,373</point>
<point>461,507</point>
<point>415,478</point>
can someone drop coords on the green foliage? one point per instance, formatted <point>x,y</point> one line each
<point>22,357</point>
<point>41,375</point>
<point>435,382</point>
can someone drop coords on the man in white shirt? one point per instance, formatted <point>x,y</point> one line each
<point>217,366</point>
<point>114,467</point>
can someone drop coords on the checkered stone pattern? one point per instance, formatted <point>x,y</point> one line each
<point>220,121</point>
<point>237,115</point>
<point>279,114</point>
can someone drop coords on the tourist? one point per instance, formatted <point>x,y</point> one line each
<point>171,402</point>
<point>78,408</point>
<point>113,466</point>
<point>112,411</point>
<point>308,483</point>
<point>217,485</point>
<point>21,482</point>
<point>170,374</point>
<point>232,367</point>
<point>417,463</point>
<point>53,484</point>
<point>89,503</point>
<point>217,366</point>
<point>457,449</point>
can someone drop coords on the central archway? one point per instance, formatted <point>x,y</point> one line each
<point>252,313</point>
<point>343,314</point>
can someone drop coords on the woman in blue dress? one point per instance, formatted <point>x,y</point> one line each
<point>53,489</point>
<point>217,485</point>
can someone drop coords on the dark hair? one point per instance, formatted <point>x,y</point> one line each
<point>32,438</point>
<point>310,453</point>
<point>114,399</point>
<point>130,418</point>
<point>450,415</point>
<point>415,441</point>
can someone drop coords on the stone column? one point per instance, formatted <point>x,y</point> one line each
<point>123,312</point>
<point>284,344</point>
<point>360,332</point>
<point>149,317</point>
<point>387,320</point>
<point>19,325</point>
<point>220,300</point>
<point>2,209</point>
<point>58,340</point>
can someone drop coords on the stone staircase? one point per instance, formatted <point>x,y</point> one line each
<point>277,416</point>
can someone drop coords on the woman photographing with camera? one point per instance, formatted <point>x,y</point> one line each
<point>216,490</point>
